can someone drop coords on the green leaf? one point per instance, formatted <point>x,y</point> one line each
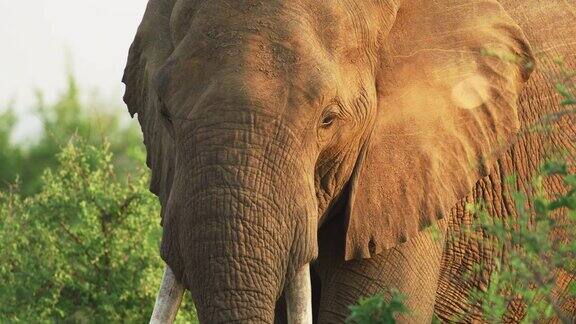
<point>377,310</point>
<point>564,91</point>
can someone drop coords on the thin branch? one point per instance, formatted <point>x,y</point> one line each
<point>541,281</point>
<point>78,241</point>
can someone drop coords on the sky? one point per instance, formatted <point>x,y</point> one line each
<point>41,39</point>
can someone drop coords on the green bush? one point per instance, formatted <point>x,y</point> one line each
<point>84,248</point>
<point>538,245</point>
<point>79,230</point>
<point>376,310</point>
<point>67,117</point>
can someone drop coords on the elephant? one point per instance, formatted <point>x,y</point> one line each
<point>302,150</point>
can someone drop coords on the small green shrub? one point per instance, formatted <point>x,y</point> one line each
<point>538,244</point>
<point>84,248</point>
<point>377,310</point>
<point>67,117</point>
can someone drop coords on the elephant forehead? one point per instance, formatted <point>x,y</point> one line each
<point>261,73</point>
<point>286,97</point>
<point>276,54</point>
<point>223,27</point>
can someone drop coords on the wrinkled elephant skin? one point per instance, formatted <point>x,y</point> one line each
<point>281,133</point>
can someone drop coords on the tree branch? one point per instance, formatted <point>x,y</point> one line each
<point>79,242</point>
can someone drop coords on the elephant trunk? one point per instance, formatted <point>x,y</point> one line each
<point>242,254</point>
<point>240,226</point>
<point>298,298</point>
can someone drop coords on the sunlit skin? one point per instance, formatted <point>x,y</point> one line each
<point>281,133</point>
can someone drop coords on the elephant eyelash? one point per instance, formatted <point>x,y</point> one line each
<point>331,114</point>
<point>328,119</point>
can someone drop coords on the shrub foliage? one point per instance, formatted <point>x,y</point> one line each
<point>79,230</point>
<point>80,248</point>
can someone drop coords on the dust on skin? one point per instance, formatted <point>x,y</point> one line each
<point>471,92</point>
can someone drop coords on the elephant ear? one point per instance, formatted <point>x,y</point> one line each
<point>148,52</point>
<point>448,84</point>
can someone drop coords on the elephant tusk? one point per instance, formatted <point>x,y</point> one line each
<point>168,299</point>
<point>299,298</point>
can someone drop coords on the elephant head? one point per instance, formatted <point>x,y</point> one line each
<point>260,117</point>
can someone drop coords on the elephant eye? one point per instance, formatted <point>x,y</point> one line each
<point>330,115</point>
<point>328,120</point>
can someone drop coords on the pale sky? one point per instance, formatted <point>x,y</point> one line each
<point>36,35</point>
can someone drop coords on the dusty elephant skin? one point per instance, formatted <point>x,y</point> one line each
<point>334,132</point>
